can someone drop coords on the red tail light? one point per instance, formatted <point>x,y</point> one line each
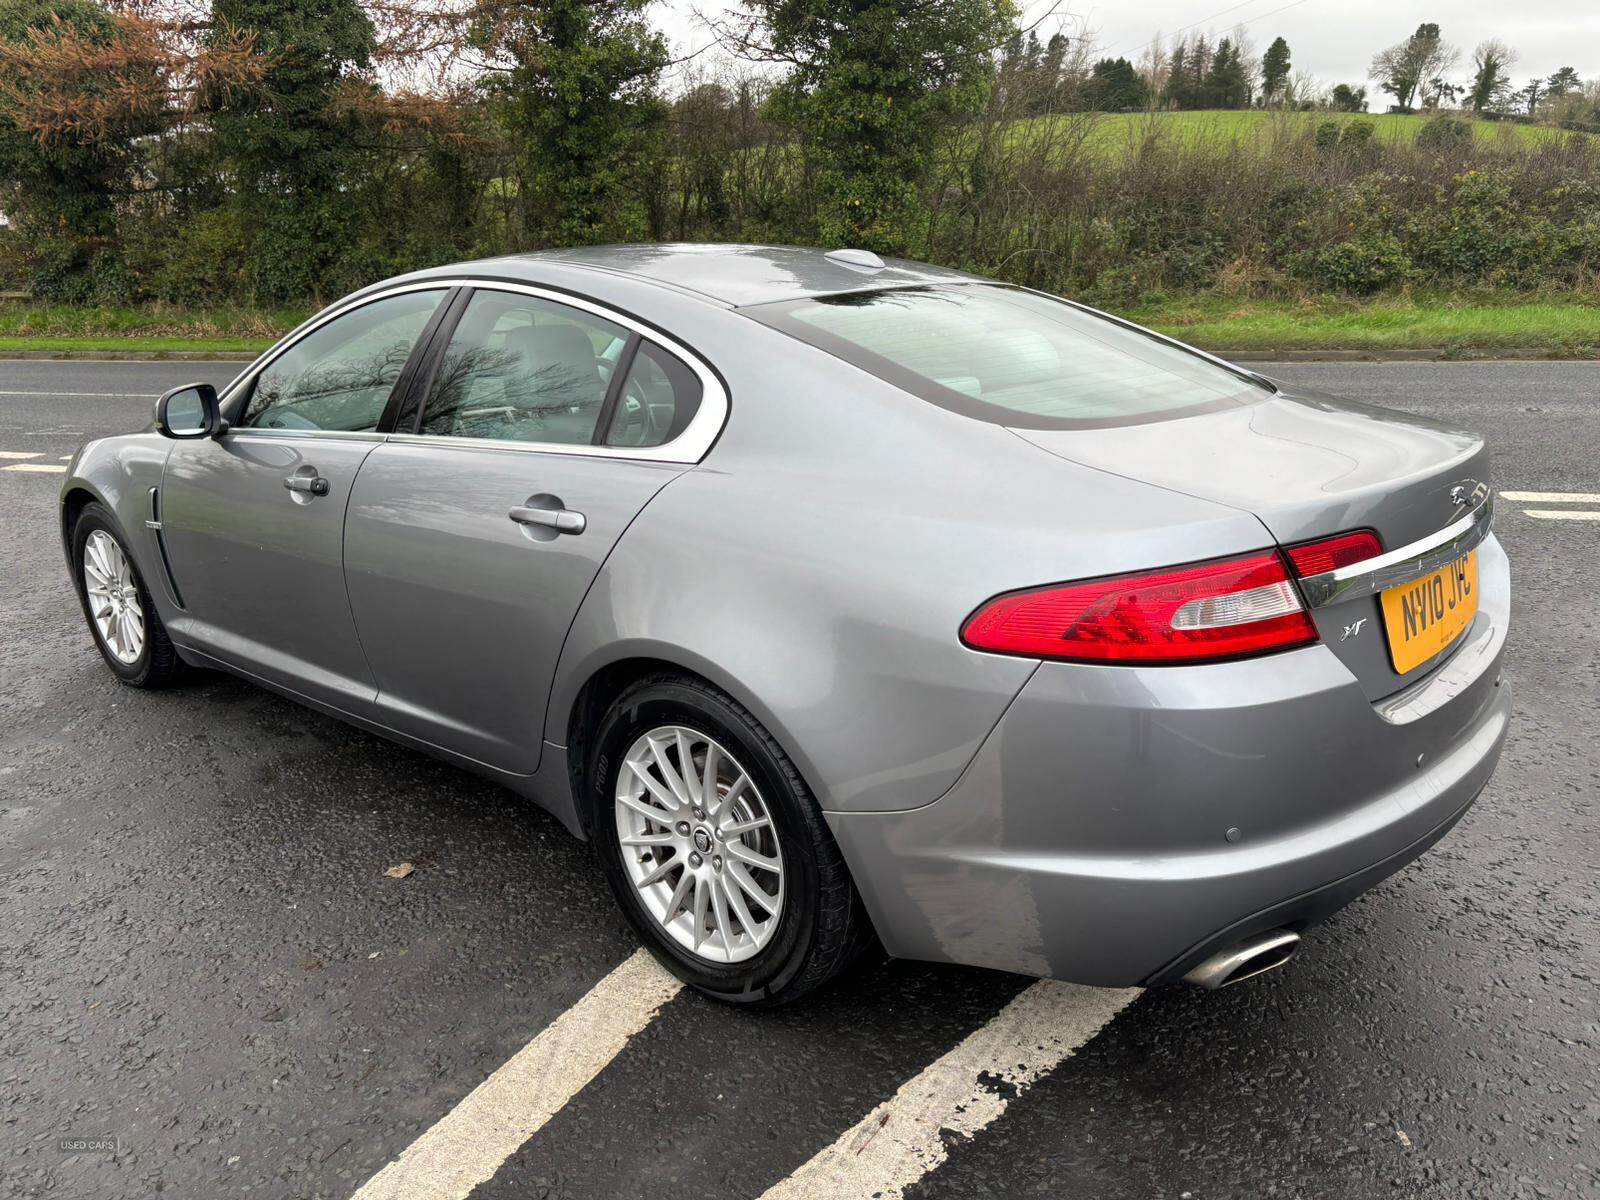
<point>1230,608</point>
<point>1329,554</point>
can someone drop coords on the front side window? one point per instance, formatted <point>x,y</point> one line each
<point>522,369</point>
<point>339,377</point>
<point>1012,357</point>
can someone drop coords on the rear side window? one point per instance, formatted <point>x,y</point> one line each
<point>522,369</point>
<point>1012,357</point>
<point>658,399</point>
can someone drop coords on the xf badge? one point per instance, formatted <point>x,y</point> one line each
<point>1351,631</point>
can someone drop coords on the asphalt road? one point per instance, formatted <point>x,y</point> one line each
<point>201,957</point>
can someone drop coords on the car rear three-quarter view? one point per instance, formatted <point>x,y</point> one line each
<point>830,597</point>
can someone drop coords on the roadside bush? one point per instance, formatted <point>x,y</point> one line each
<point>1362,266</point>
<point>1474,231</point>
<point>197,261</point>
<point>1444,133</point>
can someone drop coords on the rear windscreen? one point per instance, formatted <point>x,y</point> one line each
<point>1012,357</point>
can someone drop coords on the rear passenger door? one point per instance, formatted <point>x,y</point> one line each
<point>475,530</point>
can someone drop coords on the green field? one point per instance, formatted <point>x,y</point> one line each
<point>1111,132</point>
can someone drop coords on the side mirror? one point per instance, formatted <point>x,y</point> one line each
<point>190,411</point>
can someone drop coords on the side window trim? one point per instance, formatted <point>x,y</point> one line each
<point>619,377</point>
<point>404,414</point>
<point>240,390</point>
<point>690,446</point>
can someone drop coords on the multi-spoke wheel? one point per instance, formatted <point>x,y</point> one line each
<point>699,844</point>
<point>113,597</point>
<point>715,848</point>
<point>125,624</point>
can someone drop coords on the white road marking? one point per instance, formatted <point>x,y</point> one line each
<point>1544,514</point>
<point>468,1144</point>
<point>21,453</point>
<point>901,1140</point>
<point>1552,497</point>
<point>40,468</point>
<point>84,395</point>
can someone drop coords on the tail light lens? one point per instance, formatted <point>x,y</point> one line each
<point>1329,554</point>
<point>1229,608</point>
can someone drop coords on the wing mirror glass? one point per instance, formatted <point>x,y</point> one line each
<point>190,411</point>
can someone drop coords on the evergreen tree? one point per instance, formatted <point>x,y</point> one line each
<point>1177,77</point>
<point>579,101</point>
<point>1274,70</point>
<point>1114,86</point>
<point>285,142</point>
<point>1563,81</point>
<point>1226,84</point>
<point>872,82</point>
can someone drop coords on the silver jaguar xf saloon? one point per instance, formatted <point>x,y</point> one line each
<point>836,600</point>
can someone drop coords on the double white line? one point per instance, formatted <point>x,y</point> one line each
<point>962,1092</point>
<point>36,468</point>
<point>1556,514</point>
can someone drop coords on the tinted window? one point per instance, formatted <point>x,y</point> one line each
<point>523,369</point>
<point>340,377</point>
<point>658,399</point>
<point>1012,357</point>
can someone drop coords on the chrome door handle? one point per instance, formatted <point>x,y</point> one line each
<point>315,484</point>
<point>562,520</point>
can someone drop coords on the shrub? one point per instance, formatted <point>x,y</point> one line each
<point>1364,265</point>
<point>1444,133</point>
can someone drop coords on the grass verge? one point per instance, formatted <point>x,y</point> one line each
<point>1455,325</point>
<point>1562,328</point>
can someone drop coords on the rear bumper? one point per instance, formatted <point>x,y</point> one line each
<point>1118,824</point>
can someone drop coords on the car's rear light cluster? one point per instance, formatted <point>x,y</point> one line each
<point>1329,554</point>
<point>1204,612</point>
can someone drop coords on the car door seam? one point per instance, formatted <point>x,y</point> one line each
<point>561,654</point>
<point>344,572</point>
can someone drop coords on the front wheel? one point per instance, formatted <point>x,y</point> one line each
<point>714,847</point>
<point>122,618</point>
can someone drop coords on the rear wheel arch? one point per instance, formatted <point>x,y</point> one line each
<point>610,680</point>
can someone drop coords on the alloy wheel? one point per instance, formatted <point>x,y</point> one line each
<point>699,844</point>
<point>113,592</point>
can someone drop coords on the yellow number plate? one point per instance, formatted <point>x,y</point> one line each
<point>1426,615</point>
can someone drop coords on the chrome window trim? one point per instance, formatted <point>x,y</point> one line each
<point>345,435</point>
<point>1409,562</point>
<point>306,328</point>
<point>689,447</point>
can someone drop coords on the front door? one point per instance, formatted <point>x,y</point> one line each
<point>254,520</point>
<point>471,543</point>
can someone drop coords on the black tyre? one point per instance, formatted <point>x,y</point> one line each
<point>726,869</point>
<point>117,604</point>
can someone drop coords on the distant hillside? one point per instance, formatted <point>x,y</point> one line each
<point>1253,126</point>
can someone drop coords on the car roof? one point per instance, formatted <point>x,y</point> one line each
<point>733,274</point>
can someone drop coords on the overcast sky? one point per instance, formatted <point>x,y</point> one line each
<point>1333,40</point>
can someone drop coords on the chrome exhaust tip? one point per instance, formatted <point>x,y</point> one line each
<point>1254,956</point>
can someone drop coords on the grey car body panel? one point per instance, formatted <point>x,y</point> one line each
<point>261,568</point>
<point>864,527</point>
<point>818,564</point>
<point>1307,465</point>
<point>1118,859</point>
<point>463,611</point>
